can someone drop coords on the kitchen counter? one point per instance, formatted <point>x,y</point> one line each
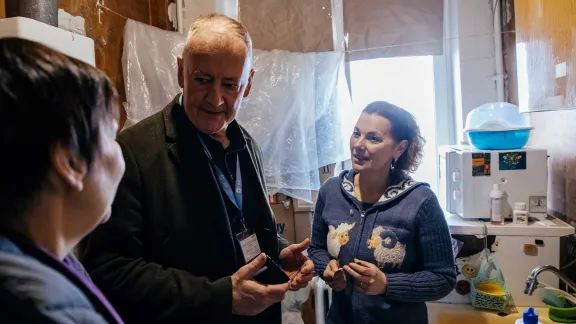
<point>542,227</point>
<point>439,313</point>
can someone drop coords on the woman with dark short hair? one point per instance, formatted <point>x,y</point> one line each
<point>60,167</point>
<point>379,238</point>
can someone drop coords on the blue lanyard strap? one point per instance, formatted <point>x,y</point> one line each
<point>235,195</point>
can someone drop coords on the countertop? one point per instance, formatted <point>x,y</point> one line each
<point>439,313</point>
<point>547,226</point>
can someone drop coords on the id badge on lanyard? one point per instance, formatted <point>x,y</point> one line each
<point>247,239</point>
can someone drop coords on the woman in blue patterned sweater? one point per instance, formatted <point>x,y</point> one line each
<point>379,238</point>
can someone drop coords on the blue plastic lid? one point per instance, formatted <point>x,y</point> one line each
<point>530,316</point>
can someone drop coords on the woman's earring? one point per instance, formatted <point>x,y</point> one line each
<point>393,164</point>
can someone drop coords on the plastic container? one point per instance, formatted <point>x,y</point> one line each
<point>513,139</point>
<point>488,289</point>
<point>497,126</point>
<point>496,205</point>
<point>529,316</point>
<point>519,214</point>
<point>562,315</point>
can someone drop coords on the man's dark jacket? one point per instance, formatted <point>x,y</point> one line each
<point>167,253</point>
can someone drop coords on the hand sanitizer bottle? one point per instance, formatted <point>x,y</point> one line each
<point>496,205</point>
<point>529,316</point>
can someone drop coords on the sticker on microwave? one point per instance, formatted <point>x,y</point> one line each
<point>481,164</point>
<point>512,161</point>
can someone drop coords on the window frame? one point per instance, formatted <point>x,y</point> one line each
<point>445,108</point>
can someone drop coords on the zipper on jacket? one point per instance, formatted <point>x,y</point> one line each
<point>356,249</point>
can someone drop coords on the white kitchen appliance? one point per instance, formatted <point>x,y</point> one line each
<point>66,42</point>
<point>467,175</point>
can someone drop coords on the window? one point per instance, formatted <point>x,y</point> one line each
<point>417,84</point>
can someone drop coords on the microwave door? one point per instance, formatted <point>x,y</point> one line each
<point>454,183</point>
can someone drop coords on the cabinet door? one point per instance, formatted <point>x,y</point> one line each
<point>516,264</point>
<point>545,38</point>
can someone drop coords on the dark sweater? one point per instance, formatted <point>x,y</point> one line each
<point>404,233</point>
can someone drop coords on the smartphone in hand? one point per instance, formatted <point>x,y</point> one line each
<point>271,274</point>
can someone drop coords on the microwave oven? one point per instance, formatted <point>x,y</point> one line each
<point>467,176</point>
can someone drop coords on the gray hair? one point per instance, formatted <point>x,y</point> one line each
<point>223,24</point>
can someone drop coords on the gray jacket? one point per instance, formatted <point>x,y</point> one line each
<point>34,292</point>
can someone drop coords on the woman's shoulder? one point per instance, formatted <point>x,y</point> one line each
<point>31,290</point>
<point>419,195</point>
<point>423,192</point>
<point>331,183</point>
<point>426,201</point>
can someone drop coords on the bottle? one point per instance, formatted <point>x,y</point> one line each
<point>496,205</point>
<point>520,214</point>
<point>529,316</point>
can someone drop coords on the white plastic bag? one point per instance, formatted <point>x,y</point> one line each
<point>292,305</point>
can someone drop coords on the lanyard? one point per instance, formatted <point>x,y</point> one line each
<point>235,196</point>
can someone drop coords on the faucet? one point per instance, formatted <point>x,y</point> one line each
<point>532,282</point>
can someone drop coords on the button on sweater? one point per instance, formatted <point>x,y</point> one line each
<point>405,234</point>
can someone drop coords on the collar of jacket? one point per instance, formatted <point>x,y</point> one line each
<point>174,114</point>
<point>176,119</point>
<point>400,185</point>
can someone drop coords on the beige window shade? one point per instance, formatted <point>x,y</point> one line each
<point>292,25</point>
<point>387,28</point>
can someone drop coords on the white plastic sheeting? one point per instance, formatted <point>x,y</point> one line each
<point>295,109</point>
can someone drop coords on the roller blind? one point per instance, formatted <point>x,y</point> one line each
<point>387,28</point>
<point>372,28</point>
<point>292,25</point>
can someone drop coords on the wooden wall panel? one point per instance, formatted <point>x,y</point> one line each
<point>553,130</point>
<point>159,14</point>
<point>108,33</point>
<point>549,30</point>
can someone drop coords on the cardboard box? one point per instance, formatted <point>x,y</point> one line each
<point>295,226</point>
<point>285,221</point>
<point>304,206</point>
<point>302,225</point>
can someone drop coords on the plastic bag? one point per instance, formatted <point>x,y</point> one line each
<point>292,305</point>
<point>488,289</point>
<point>295,139</point>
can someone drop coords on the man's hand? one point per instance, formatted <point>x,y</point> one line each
<point>334,276</point>
<point>368,278</point>
<point>248,296</point>
<point>296,265</point>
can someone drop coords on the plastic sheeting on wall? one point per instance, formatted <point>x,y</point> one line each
<point>294,110</point>
<point>190,10</point>
<point>150,69</point>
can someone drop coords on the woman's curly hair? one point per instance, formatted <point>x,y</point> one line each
<point>403,127</point>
